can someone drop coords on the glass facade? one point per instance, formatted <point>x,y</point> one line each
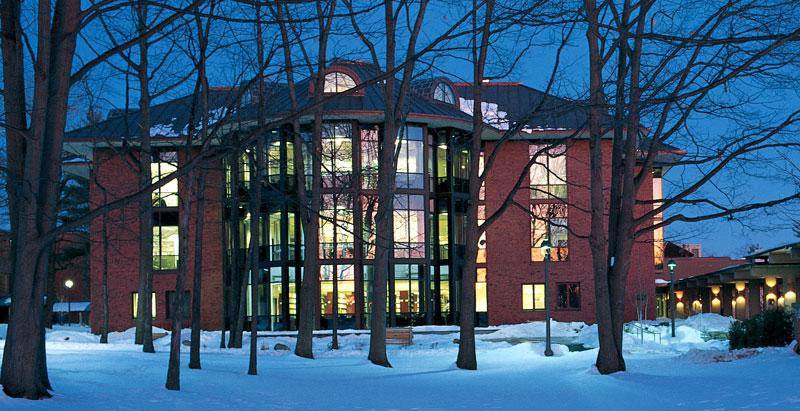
<point>427,224</point>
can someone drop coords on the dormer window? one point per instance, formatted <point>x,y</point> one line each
<point>444,93</point>
<point>338,82</point>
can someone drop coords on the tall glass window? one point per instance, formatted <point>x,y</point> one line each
<point>369,211</point>
<point>410,162</point>
<point>548,175</point>
<point>336,226</point>
<point>344,303</point>
<point>166,195</point>
<point>369,158</point>
<point>407,288</point>
<point>481,304</point>
<point>549,221</point>
<point>409,226</point>
<point>165,241</point>
<point>337,155</point>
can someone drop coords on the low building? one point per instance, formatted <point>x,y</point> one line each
<point>429,214</point>
<point>764,280</point>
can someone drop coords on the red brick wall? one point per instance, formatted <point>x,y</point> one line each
<point>509,262</point>
<point>117,174</point>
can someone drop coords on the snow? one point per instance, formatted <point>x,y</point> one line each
<point>492,115</point>
<point>162,130</point>
<point>684,372</point>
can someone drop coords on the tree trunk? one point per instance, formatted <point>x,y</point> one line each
<point>104,327</point>
<point>34,191</point>
<point>177,303</point>
<point>144,318</point>
<point>466,344</point>
<point>255,263</point>
<point>197,288</point>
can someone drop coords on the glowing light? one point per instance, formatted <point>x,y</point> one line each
<point>715,289</point>
<point>715,304</point>
<point>678,294</point>
<point>771,297</point>
<point>790,298</point>
<point>740,300</point>
<point>679,307</point>
<point>740,286</point>
<point>781,301</point>
<point>697,306</point>
<point>770,281</point>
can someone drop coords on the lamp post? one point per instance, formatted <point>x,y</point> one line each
<point>548,351</point>
<point>671,264</point>
<point>69,285</point>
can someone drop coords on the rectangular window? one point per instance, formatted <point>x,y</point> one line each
<point>369,211</point>
<point>533,296</point>
<point>337,155</point>
<point>345,302</point>
<point>548,175</point>
<point>407,288</point>
<point>569,296</point>
<point>482,240</point>
<point>410,162</point>
<point>549,221</point>
<point>135,304</point>
<point>369,158</point>
<point>480,291</point>
<point>165,163</point>
<point>336,226</point>
<point>409,226</point>
<point>165,241</point>
<point>171,304</point>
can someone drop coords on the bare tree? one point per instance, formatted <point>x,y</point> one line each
<point>653,69</point>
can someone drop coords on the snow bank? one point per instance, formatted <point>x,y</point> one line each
<point>535,329</point>
<point>709,322</point>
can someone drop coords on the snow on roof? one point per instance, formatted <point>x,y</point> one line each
<point>661,282</point>
<point>77,306</point>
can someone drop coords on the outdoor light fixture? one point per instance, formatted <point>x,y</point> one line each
<point>715,289</point>
<point>770,281</point>
<point>715,304</point>
<point>740,286</point>
<point>679,295</point>
<point>771,297</point>
<point>790,298</point>
<point>548,351</point>
<point>740,300</point>
<point>673,296</point>
<point>697,306</point>
<point>69,285</point>
<point>781,301</point>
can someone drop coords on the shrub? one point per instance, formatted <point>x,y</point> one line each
<point>771,328</point>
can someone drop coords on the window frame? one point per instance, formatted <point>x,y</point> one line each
<point>558,296</point>
<point>135,306</point>
<point>533,296</point>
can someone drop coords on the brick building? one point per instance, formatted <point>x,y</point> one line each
<point>428,219</point>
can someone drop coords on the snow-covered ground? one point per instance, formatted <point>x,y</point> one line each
<point>686,372</point>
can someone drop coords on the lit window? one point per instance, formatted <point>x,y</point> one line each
<point>345,301</point>
<point>337,155</point>
<point>533,296</point>
<point>338,82</point>
<point>135,309</point>
<point>569,296</point>
<point>444,93</point>
<point>548,175</point>
<point>407,288</point>
<point>410,163</point>
<point>336,226</point>
<point>369,158</point>
<point>166,195</point>
<point>480,291</point>
<point>409,226</point>
<point>165,241</point>
<point>549,221</point>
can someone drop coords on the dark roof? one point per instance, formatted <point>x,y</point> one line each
<point>518,101</point>
<point>170,119</point>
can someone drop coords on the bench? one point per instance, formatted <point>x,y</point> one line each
<point>400,336</point>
